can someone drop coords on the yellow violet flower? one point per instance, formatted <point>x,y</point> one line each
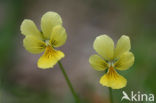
<point>52,35</point>
<point>112,57</point>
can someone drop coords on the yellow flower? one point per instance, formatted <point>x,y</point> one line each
<point>111,57</point>
<point>52,35</point>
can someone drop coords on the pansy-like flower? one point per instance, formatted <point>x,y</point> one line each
<point>52,35</point>
<point>112,57</point>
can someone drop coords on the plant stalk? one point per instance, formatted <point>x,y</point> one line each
<point>110,95</point>
<point>69,83</point>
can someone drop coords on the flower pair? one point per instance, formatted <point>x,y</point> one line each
<point>53,35</point>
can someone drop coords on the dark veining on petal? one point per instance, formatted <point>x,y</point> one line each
<point>112,73</point>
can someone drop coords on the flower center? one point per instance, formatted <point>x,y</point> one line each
<point>111,64</point>
<point>47,42</point>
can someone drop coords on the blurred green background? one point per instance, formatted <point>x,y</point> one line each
<point>22,82</point>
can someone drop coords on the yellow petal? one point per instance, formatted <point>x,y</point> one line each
<point>125,61</point>
<point>97,63</point>
<point>113,79</point>
<point>28,27</point>
<point>48,21</point>
<point>123,45</point>
<point>49,58</point>
<point>58,36</point>
<point>104,45</point>
<point>33,44</point>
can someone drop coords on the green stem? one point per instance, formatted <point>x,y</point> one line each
<point>110,95</point>
<point>68,82</point>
